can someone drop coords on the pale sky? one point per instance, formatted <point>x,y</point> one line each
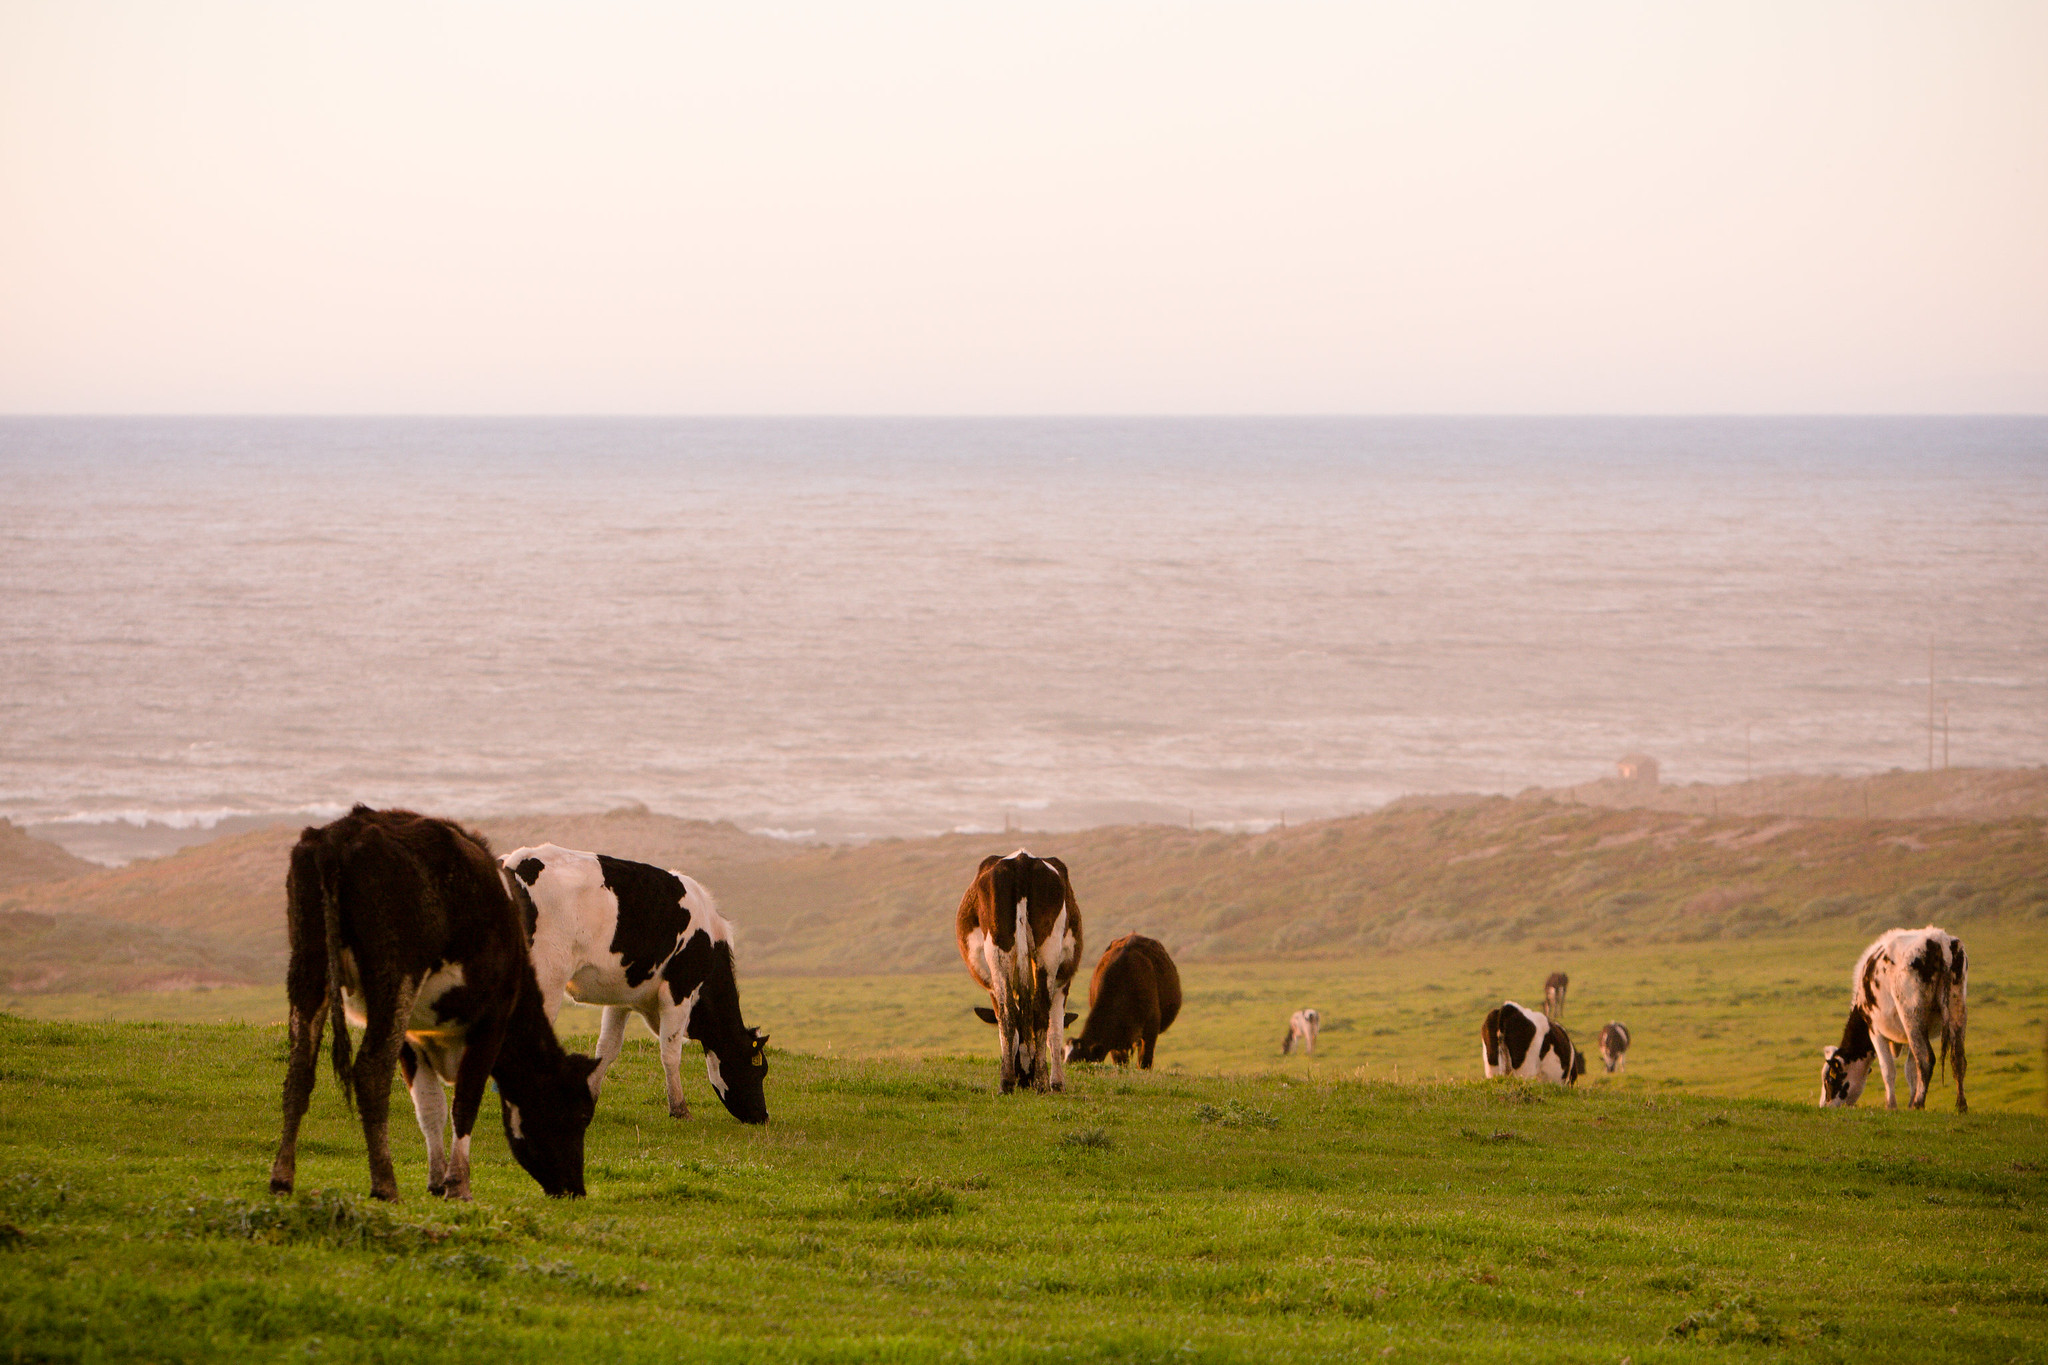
<point>1056,207</point>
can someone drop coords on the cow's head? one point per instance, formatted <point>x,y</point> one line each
<point>545,1130</point>
<point>737,1069</point>
<point>1841,1081</point>
<point>1845,1067</point>
<point>1086,1049</point>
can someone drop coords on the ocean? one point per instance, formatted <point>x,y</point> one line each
<point>854,628</point>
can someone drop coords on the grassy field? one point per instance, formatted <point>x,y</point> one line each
<point>898,1210</point>
<point>1745,1019</point>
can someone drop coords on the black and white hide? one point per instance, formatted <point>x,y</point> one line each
<point>1521,1042</point>
<point>640,940</point>
<point>1614,1047</point>
<point>1908,985</point>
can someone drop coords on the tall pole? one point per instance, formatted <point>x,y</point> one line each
<point>1944,736</point>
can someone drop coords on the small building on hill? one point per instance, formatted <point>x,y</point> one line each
<point>1637,768</point>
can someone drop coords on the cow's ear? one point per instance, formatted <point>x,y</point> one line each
<point>988,1016</point>
<point>1071,1017</point>
<point>1828,1053</point>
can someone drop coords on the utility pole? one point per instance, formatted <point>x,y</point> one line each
<point>1748,756</point>
<point>1944,736</point>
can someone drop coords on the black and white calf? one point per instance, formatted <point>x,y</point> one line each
<point>1614,1046</point>
<point>1520,1042</point>
<point>1904,985</point>
<point>640,940</point>
<point>1301,1028</point>
<point>399,923</point>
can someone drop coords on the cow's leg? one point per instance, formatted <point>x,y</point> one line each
<point>300,1070</point>
<point>472,1073</point>
<point>1145,1057</point>
<point>430,1107</point>
<point>671,1025</point>
<point>376,1063</point>
<point>611,1040</point>
<point>1955,1059</point>
<point>1923,1061</point>
<point>1056,1041</point>
<point>1006,1041</point>
<point>1887,1067</point>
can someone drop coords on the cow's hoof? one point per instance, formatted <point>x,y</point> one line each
<point>679,1111</point>
<point>280,1186</point>
<point>388,1196</point>
<point>437,1190</point>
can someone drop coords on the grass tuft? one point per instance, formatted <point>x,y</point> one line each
<point>1093,1139</point>
<point>1235,1114</point>
<point>921,1197</point>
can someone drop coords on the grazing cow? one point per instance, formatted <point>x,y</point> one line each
<point>1019,929</point>
<point>1614,1046</point>
<point>1520,1042</point>
<point>1905,983</point>
<point>1554,987</point>
<point>399,923</point>
<point>1302,1025</point>
<point>637,939</point>
<point>1133,997</point>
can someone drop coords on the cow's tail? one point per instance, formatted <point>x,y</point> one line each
<point>329,882</point>
<point>1955,1008</point>
<point>1287,1043</point>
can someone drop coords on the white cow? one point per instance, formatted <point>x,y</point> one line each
<point>1302,1025</point>
<point>638,939</point>
<point>1904,984</point>
<point>1515,1041</point>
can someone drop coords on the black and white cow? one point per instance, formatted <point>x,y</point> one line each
<point>399,923</point>
<point>1614,1046</point>
<point>637,939</point>
<point>1520,1042</point>
<point>1905,984</point>
<point>1301,1028</point>
<point>1019,931</point>
<point>1554,987</point>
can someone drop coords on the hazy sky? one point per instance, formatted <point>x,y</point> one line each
<point>1089,207</point>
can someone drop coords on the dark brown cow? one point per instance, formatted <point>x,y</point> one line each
<point>401,922</point>
<point>1132,999</point>
<point>1020,933</point>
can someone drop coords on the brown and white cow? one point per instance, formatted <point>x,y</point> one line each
<point>1905,984</point>
<point>1302,1027</point>
<point>1133,997</point>
<point>1520,1042</point>
<point>399,923</point>
<point>1554,987</point>
<point>638,939</point>
<point>1019,929</point>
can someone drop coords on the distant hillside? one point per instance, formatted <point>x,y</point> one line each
<point>1421,872</point>
<point>1492,870</point>
<point>1945,793</point>
<point>25,859</point>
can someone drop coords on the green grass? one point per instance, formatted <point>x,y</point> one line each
<point>899,1210</point>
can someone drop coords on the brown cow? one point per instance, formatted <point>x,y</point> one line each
<point>401,922</point>
<point>1132,999</point>
<point>1019,929</point>
<point>1554,988</point>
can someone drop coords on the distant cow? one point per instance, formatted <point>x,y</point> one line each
<point>1019,929</point>
<point>637,939</point>
<point>1132,998</point>
<point>1520,1042</point>
<point>1614,1046</point>
<point>1905,984</point>
<point>1554,987</point>
<point>399,923</point>
<point>1302,1025</point>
